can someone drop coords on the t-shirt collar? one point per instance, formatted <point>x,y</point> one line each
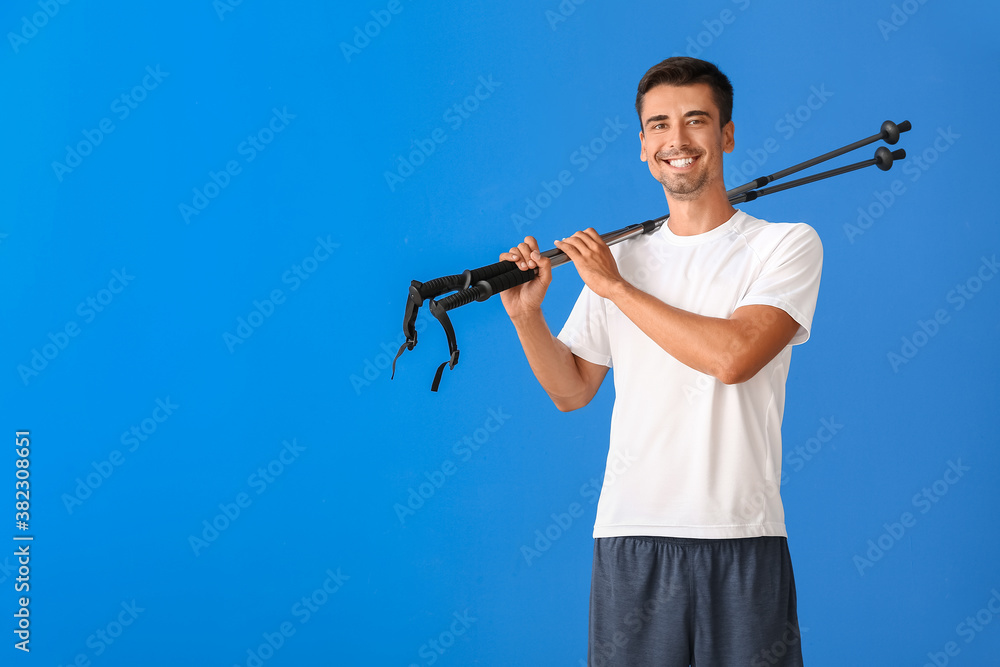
<point>697,239</point>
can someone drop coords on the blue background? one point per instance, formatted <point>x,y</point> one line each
<point>121,546</point>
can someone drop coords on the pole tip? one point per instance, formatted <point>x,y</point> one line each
<point>891,131</point>
<point>884,157</point>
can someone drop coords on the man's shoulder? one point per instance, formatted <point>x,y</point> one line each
<point>760,232</point>
<point>748,224</point>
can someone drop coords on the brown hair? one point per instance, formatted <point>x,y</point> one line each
<point>683,71</point>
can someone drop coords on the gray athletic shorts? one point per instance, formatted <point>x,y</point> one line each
<point>674,602</point>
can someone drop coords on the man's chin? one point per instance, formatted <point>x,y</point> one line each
<point>682,191</point>
<point>682,196</point>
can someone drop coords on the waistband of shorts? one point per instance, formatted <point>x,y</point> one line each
<point>689,541</point>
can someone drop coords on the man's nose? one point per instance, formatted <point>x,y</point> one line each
<point>678,136</point>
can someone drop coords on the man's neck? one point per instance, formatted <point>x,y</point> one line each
<point>701,215</point>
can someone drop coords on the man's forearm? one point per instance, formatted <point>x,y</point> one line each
<point>552,362</point>
<point>731,350</point>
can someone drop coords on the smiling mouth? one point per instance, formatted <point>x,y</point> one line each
<point>682,162</point>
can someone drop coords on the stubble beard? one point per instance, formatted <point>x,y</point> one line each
<point>685,187</point>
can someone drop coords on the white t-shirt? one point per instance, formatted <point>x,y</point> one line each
<point>691,456</point>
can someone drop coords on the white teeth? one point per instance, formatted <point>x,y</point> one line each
<point>683,162</point>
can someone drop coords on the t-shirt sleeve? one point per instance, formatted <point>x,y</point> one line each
<point>586,330</point>
<point>789,279</point>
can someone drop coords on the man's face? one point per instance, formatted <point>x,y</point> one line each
<point>682,141</point>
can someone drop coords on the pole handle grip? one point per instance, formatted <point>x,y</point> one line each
<point>487,272</point>
<point>432,288</point>
<point>505,281</point>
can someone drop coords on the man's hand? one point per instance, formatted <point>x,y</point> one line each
<point>526,299</point>
<point>568,380</point>
<point>594,261</point>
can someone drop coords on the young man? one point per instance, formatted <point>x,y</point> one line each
<point>691,562</point>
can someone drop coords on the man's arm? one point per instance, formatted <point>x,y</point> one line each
<point>570,381</point>
<point>730,349</point>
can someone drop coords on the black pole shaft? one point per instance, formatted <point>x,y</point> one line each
<point>764,180</point>
<point>802,181</point>
<point>890,133</point>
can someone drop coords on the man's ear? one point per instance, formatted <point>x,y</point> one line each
<point>642,146</point>
<point>729,137</point>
